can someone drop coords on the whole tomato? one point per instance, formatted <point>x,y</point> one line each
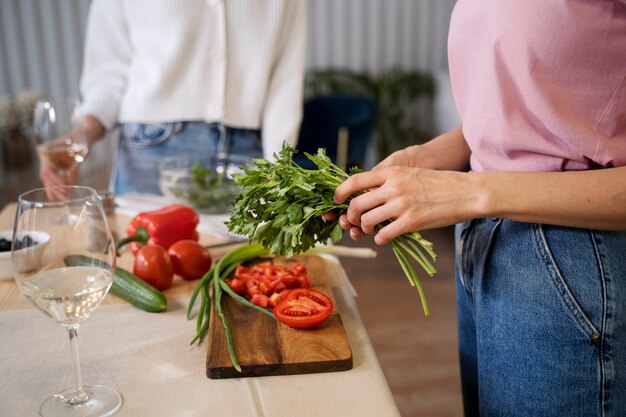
<point>191,260</point>
<point>153,265</point>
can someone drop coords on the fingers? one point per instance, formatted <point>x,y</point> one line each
<point>329,216</point>
<point>358,182</point>
<point>370,220</point>
<point>355,232</point>
<point>352,220</point>
<point>48,177</point>
<point>344,223</point>
<point>365,203</point>
<point>73,176</point>
<point>389,232</point>
<point>55,194</point>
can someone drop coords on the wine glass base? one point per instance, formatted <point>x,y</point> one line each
<point>102,401</point>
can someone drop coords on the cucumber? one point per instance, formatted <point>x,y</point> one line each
<point>127,286</point>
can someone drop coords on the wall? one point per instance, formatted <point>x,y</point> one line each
<point>41,45</point>
<point>41,40</point>
<point>373,35</point>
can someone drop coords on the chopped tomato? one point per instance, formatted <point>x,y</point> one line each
<point>265,278</point>
<point>237,285</point>
<point>303,308</point>
<point>276,298</point>
<point>259,299</point>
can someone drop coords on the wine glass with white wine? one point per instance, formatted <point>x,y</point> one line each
<point>54,283</point>
<point>60,134</point>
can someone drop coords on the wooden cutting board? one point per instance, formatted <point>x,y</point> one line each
<point>266,347</point>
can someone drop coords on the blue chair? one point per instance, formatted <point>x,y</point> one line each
<point>323,119</point>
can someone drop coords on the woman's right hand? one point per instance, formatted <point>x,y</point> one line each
<point>50,177</point>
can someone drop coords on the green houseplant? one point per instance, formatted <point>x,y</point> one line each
<point>394,91</point>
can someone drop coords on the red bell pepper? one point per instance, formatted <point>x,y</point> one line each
<point>162,227</point>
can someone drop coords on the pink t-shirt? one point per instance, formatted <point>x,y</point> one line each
<point>540,85</point>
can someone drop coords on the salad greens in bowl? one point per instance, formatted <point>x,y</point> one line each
<point>207,186</point>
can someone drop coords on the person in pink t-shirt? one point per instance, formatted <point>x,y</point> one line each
<point>535,181</point>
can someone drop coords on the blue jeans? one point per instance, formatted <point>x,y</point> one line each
<point>143,146</point>
<point>542,320</point>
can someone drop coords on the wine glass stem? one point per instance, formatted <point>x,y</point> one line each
<point>79,396</point>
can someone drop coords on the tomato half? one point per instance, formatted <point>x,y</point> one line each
<point>153,265</point>
<point>303,308</point>
<point>191,260</point>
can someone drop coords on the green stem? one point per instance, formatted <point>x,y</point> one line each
<point>404,262</point>
<point>222,269</point>
<point>229,336</point>
<point>417,254</point>
<point>202,283</point>
<point>141,236</point>
<point>428,246</point>
<point>200,317</point>
<point>244,301</point>
<point>406,267</point>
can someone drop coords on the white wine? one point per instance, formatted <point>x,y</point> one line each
<point>68,295</point>
<point>63,157</point>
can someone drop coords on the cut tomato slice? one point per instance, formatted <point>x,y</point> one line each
<point>302,308</point>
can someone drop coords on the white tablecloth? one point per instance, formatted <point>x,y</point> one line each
<point>147,358</point>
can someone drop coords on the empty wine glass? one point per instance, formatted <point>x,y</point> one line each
<point>60,134</point>
<point>67,279</point>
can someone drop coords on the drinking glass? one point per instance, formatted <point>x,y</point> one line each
<point>66,293</point>
<point>60,134</point>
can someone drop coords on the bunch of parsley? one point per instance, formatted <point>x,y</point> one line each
<point>281,206</point>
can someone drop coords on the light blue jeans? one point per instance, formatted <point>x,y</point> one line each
<point>143,146</point>
<point>542,320</point>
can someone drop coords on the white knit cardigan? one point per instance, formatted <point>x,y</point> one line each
<point>239,62</point>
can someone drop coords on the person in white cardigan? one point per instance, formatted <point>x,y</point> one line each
<point>177,75</point>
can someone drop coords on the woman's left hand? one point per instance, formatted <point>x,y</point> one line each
<point>412,198</point>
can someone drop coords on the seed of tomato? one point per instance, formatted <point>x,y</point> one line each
<point>153,265</point>
<point>191,260</point>
<point>303,308</point>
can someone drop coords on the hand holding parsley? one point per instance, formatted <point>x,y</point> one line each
<point>281,206</point>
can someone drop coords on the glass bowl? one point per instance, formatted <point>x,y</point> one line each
<point>206,186</point>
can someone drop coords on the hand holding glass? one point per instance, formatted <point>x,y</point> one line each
<point>67,294</point>
<point>60,134</point>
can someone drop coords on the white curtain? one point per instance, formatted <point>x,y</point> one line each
<point>41,41</point>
